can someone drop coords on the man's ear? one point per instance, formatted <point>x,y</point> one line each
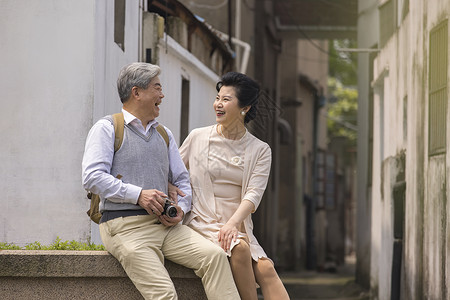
<point>135,91</point>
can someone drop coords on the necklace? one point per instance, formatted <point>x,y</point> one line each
<point>238,136</point>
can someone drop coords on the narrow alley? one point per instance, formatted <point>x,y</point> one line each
<point>338,285</point>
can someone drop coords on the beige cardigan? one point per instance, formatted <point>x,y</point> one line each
<point>258,157</point>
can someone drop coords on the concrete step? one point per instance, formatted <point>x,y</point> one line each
<point>48,274</point>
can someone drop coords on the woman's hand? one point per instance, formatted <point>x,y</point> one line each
<point>173,192</point>
<point>227,234</point>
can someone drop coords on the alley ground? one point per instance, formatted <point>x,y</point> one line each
<point>339,285</point>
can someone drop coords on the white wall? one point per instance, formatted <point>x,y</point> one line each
<point>46,79</point>
<point>109,57</point>
<point>176,63</point>
<point>59,65</point>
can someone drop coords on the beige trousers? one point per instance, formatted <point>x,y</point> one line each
<point>140,244</point>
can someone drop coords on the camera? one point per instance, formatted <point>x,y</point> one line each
<point>169,209</point>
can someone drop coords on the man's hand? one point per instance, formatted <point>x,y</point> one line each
<point>152,201</point>
<point>174,192</point>
<point>168,221</point>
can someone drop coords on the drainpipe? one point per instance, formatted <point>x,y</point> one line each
<point>230,33</point>
<point>234,40</point>
<point>237,30</point>
<point>244,45</point>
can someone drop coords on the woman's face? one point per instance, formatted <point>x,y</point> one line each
<point>226,106</point>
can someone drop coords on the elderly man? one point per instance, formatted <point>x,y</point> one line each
<point>133,227</point>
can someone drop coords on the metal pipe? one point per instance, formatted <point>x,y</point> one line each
<point>237,29</point>
<point>247,48</point>
<point>230,33</point>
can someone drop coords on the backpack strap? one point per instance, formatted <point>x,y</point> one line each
<point>118,122</point>
<point>163,133</point>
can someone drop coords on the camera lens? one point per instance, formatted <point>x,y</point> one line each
<point>171,211</point>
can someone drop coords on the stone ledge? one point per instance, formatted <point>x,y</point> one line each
<point>48,274</point>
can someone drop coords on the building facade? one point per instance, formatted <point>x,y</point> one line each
<point>406,140</point>
<point>60,62</point>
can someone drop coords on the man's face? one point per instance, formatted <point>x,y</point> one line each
<point>151,98</point>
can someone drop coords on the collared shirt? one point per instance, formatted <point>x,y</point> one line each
<point>98,157</point>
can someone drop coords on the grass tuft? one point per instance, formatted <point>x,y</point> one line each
<point>58,244</point>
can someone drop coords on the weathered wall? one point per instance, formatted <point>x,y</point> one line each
<point>367,37</point>
<point>402,81</point>
<point>415,158</point>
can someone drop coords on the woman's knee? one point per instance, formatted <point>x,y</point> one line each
<point>265,270</point>
<point>241,252</point>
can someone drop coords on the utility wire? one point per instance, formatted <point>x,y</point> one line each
<point>297,27</point>
<point>341,7</point>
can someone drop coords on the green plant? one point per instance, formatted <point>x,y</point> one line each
<point>7,246</point>
<point>58,244</point>
<point>342,113</point>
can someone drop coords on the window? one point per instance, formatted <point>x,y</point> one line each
<point>330,181</point>
<point>392,13</point>
<point>387,13</point>
<point>119,23</point>
<point>437,111</point>
<point>184,124</point>
<point>405,120</point>
<point>319,185</point>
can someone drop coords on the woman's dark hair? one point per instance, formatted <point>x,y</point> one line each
<point>247,91</point>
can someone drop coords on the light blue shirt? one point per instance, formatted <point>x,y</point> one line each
<point>98,158</point>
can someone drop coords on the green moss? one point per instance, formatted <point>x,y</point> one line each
<point>57,245</point>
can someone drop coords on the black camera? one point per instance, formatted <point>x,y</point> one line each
<point>169,209</point>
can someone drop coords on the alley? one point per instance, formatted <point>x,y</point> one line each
<point>339,285</point>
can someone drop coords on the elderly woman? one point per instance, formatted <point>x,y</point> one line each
<point>229,169</point>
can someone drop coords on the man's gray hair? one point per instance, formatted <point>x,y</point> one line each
<point>135,74</point>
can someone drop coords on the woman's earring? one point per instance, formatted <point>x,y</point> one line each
<point>243,113</point>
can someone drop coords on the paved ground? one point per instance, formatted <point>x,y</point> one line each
<point>340,285</point>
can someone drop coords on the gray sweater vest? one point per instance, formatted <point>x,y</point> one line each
<point>142,161</point>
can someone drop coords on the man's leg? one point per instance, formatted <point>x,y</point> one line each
<point>186,247</point>
<point>136,243</point>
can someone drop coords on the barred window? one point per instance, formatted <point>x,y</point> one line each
<point>437,124</point>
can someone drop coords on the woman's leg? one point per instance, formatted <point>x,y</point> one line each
<point>241,267</point>
<point>268,280</point>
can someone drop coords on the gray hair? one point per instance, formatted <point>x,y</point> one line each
<point>135,74</point>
